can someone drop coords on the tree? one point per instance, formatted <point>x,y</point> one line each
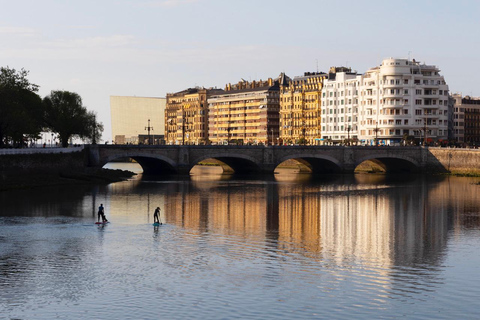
<point>21,109</point>
<point>12,78</point>
<point>66,116</point>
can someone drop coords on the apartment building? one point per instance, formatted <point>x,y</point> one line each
<point>401,100</point>
<point>245,113</point>
<point>466,122</point>
<point>340,106</point>
<point>186,116</point>
<point>300,105</point>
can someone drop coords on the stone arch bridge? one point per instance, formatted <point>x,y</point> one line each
<point>264,159</point>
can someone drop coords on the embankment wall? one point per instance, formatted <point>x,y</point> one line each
<point>455,161</point>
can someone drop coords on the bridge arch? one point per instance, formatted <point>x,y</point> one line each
<point>240,163</point>
<point>392,164</point>
<point>317,163</point>
<point>151,164</point>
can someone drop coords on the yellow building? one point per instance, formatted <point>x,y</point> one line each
<point>132,116</point>
<point>300,106</point>
<point>245,113</point>
<point>186,116</point>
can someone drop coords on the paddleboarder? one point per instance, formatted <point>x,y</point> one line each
<point>156,215</point>
<point>101,213</point>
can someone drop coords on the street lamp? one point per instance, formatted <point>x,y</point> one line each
<point>149,128</point>
<point>425,132</point>
<point>303,131</point>
<point>271,130</point>
<point>376,133</point>
<point>348,134</point>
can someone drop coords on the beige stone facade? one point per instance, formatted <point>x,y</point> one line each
<point>186,116</point>
<point>245,113</point>
<point>130,119</point>
<point>300,106</point>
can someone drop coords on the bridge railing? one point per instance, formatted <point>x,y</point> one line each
<point>40,150</point>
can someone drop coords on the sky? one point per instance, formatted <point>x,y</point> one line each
<point>148,48</point>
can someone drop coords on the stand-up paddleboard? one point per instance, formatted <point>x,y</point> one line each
<point>105,222</point>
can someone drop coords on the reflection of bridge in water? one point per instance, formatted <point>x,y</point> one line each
<point>264,159</point>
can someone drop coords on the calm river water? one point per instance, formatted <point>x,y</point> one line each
<point>282,247</point>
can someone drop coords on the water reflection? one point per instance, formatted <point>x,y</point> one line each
<point>371,239</point>
<point>385,223</point>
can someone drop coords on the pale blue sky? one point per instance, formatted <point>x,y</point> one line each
<point>150,47</point>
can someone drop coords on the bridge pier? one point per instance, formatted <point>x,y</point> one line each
<point>183,170</point>
<point>348,160</point>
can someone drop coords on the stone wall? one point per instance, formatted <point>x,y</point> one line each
<point>456,161</point>
<point>41,163</point>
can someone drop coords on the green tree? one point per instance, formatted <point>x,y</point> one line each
<point>21,110</point>
<point>66,116</point>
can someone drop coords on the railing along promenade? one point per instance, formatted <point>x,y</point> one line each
<point>40,150</point>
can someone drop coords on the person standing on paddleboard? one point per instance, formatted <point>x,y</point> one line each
<point>156,216</point>
<point>101,213</point>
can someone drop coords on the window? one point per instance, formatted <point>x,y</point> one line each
<point>405,91</point>
<point>418,91</point>
<point>418,112</point>
<point>405,81</point>
<point>418,101</point>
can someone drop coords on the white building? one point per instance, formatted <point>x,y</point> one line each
<point>340,102</point>
<point>398,99</point>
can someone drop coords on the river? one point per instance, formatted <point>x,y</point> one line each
<point>288,246</point>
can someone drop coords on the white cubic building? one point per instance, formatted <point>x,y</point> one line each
<point>137,119</point>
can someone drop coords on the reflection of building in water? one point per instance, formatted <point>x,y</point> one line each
<point>456,198</point>
<point>383,225</point>
<point>368,222</point>
<point>228,209</point>
<point>299,216</point>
